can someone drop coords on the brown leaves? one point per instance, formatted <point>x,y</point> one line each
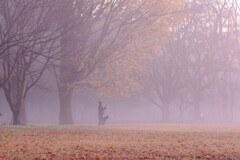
<point>110,142</point>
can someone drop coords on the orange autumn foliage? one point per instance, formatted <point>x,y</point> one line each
<point>121,74</point>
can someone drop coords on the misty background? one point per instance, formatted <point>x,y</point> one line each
<point>152,61</point>
<point>43,108</point>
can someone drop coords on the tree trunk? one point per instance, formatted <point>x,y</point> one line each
<point>19,114</point>
<point>22,114</point>
<point>181,116</point>
<point>165,113</point>
<point>224,106</point>
<point>197,114</point>
<point>65,96</point>
<point>232,104</point>
<point>16,118</point>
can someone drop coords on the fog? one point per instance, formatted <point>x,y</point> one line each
<point>112,79</point>
<point>147,62</point>
<point>43,108</point>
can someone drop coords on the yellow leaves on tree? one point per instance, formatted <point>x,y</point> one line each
<point>121,74</point>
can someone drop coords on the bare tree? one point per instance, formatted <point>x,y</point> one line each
<point>197,58</point>
<point>167,78</point>
<point>203,45</point>
<point>34,46</point>
<point>183,102</point>
<point>226,15</point>
<point>214,45</point>
<point>103,28</point>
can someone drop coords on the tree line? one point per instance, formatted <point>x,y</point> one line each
<point>174,53</point>
<point>201,62</point>
<point>71,38</point>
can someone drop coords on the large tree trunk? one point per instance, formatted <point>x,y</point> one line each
<point>16,118</point>
<point>65,96</point>
<point>19,117</point>
<point>67,51</point>
<point>19,114</point>
<point>22,114</point>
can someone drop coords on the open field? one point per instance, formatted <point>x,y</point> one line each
<point>136,141</point>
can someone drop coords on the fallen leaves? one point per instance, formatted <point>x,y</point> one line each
<point>93,142</point>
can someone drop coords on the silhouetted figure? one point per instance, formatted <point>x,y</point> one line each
<point>1,114</point>
<point>101,110</point>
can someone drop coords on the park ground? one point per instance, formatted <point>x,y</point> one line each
<point>126,141</point>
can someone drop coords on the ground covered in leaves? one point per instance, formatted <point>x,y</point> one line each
<point>137,141</point>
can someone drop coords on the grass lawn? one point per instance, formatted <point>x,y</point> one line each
<point>131,141</point>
